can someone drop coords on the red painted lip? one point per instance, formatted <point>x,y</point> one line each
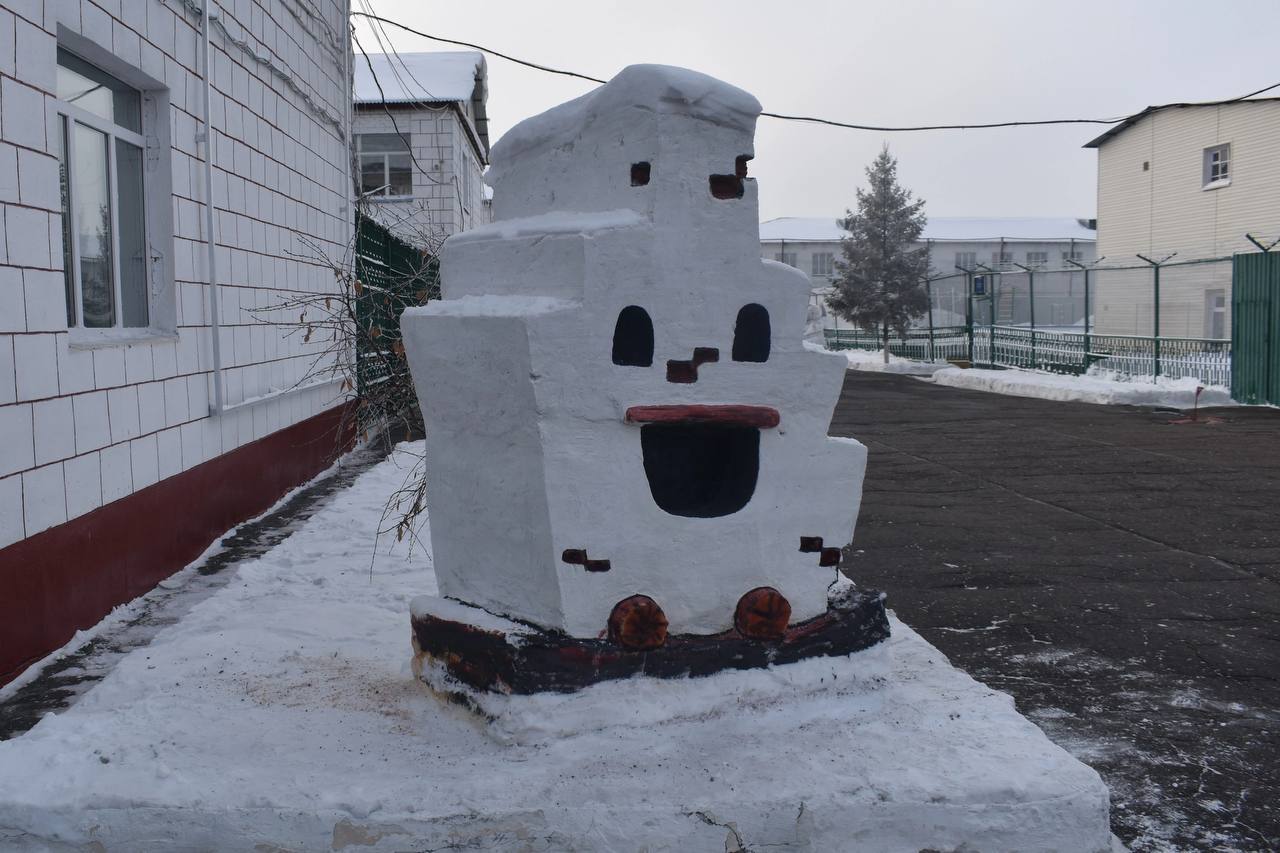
<point>760,417</point>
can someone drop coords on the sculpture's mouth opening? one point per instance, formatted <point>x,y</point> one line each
<point>701,470</point>
<point>701,461</point>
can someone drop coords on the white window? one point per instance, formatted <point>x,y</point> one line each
<point>788,258</point>
<point>1215,314</point>
<point>1217,165</point>
<point>966,260</point>
<point>1001,259</point>
<point>1073,255</point>
<point>100,145</point>
<point>823,263</point>
<point>1037,259</point>
<point>386,169</point>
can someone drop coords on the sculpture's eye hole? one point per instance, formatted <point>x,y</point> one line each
<point>751,334</point>
<point>633,338</point>
<point>639,174</point>
<point>730,186</point>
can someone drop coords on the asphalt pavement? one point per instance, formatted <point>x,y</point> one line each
<point>1117,574</point>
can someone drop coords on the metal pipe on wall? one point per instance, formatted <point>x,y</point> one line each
<point>206,25</point>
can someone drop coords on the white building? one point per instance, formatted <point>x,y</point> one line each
<point>812,244</point>
<point>1192,179</point>
<point>422,141</point>
<point>142,411</point>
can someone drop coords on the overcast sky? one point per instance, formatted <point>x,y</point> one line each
<point>891,62</point>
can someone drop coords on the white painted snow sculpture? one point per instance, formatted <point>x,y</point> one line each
<point>627,453</point>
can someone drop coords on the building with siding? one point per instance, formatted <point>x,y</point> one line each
<point>1192,179</point>
<point>144,410</point>
<point>422,141</point>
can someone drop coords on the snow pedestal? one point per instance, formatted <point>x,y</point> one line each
<point>277,716</point>
<point>626,439</point>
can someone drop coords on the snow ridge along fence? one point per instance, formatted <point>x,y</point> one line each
<point>1081,318</point>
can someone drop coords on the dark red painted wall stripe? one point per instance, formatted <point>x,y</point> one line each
<point>68,577</point>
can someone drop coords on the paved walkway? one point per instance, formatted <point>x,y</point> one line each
<point>65,680</point>
<point>1119,576</point>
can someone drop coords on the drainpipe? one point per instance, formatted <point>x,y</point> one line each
<point>214,327</point>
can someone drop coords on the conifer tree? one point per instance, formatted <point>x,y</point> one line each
<point>880,278</point>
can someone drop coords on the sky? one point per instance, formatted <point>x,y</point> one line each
<point>892,62</point>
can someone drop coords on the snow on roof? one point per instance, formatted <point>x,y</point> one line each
<point>964,228</point>
<point>418,77</point>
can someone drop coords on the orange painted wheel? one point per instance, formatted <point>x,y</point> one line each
<point>638,623</point>
<point>762,614</point>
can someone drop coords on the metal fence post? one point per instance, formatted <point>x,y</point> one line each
<point>928,292</point>
<point>1155,312</point>
<point>1155,319</point>
<point>968,311</point>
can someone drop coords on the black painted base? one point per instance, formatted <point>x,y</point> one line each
<point>531,660</point>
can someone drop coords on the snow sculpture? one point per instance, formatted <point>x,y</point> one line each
<point>627,445</point>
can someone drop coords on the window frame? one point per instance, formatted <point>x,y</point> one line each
<point>67,115</point>
<point>385,194</point>
<point>1041,259</point>
<point>158,200</point>
<point>829,264</point>
<point>781,257</point>
<point>1223,165</point>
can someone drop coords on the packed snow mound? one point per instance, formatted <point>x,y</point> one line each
<point>1171,393</point>
<point>662,89</point>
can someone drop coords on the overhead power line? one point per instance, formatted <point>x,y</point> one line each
<point>817,119</point>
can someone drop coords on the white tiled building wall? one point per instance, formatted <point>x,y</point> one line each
<point>447,189</point>
<point>83,426</point>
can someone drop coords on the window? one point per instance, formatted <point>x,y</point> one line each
<point>823,263</point>
<point>788,258</point>
<point>966,260</point>
<point>1215,314</point>
<point>1072,255</point>
<point>1217,165</point>
<point>1001,259</point>
<point>385,165</point>
<point>99,142</point>
<point>1037,259</point>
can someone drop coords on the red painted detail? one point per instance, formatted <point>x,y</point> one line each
<point>68,577</point>
<point>685,372</point>
<point>760,417</point>
<point>810,544</point>
<point>578,557</point>
<point>829,557</point>
<point>762,614</point>
<point>638,623</point>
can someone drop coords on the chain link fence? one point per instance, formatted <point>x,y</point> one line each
<point>1143,320</point>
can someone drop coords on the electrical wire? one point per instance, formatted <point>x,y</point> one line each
<point>826,121</point>
<point>394,124</point>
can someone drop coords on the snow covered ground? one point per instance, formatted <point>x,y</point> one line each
<point>280,714</point>
<point>861,359</point>
<point>1104,389</point>
<point>1171,393</point>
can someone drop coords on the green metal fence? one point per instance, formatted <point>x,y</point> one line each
<point>1255,304</point>
<point>393,275</point>
<point>948,342</point>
